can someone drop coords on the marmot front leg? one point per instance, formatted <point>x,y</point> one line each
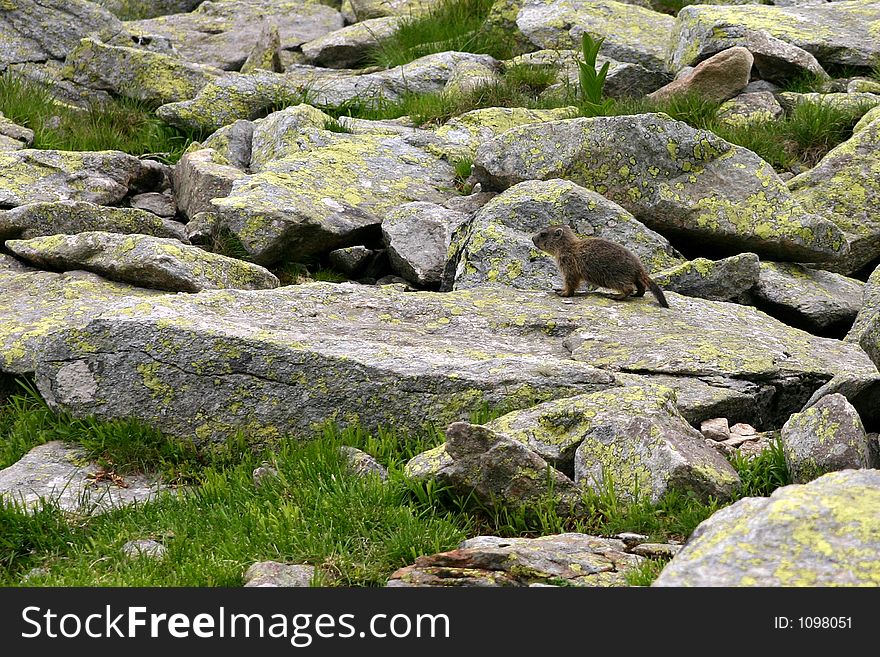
<point>572,281</point>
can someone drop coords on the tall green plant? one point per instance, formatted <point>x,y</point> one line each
<point>592,81</point>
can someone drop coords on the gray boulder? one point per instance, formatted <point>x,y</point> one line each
<point>222,34</point>
<point>844,187</point>
<point>826,437</point>
<point>48,77</point>
<point>632,33</point>
<point>356,11</point>
<point>136,73</point>
<point>562,559</point>
<point>71,217</point>
<point>329,196</point>
<point>234,142</point>
<point>834,33</point>
<point>627,440</point>
<point>812,298</point>
<point>352,260</point>
<point>103,177</point>
<point>418,236</point>
<point>37,30</point>
<point>148,8</point>
<point>718,280</point>
<point>866,329</point>
<point>496,470</point>
<point>750,108</point>
<point>495,248</point>
<point>14,137</point>
<point>348,47</point>
<point>201,176</point>
<point>672,177</point>
<point>59,474</point>
<point>362,464</point>
<point>274,574</point>
<point>161,205</point>
<point>211,364</point>
<point>265,54</point>
<point>816,534</point>
<point>153,262</point>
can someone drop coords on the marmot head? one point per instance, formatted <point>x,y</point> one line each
<point>551,238</point>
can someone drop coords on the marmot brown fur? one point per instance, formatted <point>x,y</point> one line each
<point>597,262</point>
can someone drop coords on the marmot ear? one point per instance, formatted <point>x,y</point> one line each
<point>558,232</point>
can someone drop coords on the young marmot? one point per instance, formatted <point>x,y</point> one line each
<point>597,262</point>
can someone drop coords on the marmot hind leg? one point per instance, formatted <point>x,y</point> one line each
<point>640,288</point>
<point>572,282</point>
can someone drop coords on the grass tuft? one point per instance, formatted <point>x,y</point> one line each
<point>453,25</point>
<point>122,124</point>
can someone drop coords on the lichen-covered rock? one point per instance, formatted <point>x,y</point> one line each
<point>820,534</point>
<point>461,135</point>
<point>237,96</point>
<point>201,176</point>
<point>128,9</point>
<point>211,364</point>
<point>496,248</point>
<point>496,470</point>
<point>845,188</point>
<point>349,46</point>
<point>718,280</point>
<point>720,77</point>
<point>834,32</point>
<point>352,260</point>
<point>812,298</point>
<point>273,573</point>
<point>102,177</point>
<point>749,109</point>
<point>333,195</point>
<point>362,464</point>
<point>825,437</point>
<point>153,262</point>
<point>136,73</point>
<point>356,11</point>
<point>671,177</point>
<point>161,205</point>
<point>470,76</point>
<point>59,474</point>
<point>855,103</point>
<point>222,34</point>
<point>774,59</point>
<point>37,30</point>
<point>418,236</point>
<point>623,80</point>
<point>144,548</point>
<point>13,136</point>
<point>569,559</point>
<point>631,33</point>
<point>636,444</point>
<point>35,304</point>
<point>265,53</point>
<point>866,329</point>
<point>290,131</point>
<point>71,217</point>
<point>234,142</point>
<point>630,440</point>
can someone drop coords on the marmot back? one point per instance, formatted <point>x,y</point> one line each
<point>596,261</point>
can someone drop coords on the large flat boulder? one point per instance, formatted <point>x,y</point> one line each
<point>159,263</point>
<point>276,361</point>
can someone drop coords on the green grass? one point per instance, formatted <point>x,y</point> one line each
<point>121,124</point>
<point>453,25</point>
<point>357,531</point>
<point>646,573</point>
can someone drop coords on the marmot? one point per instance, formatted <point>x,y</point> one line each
<point>597,262</point>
